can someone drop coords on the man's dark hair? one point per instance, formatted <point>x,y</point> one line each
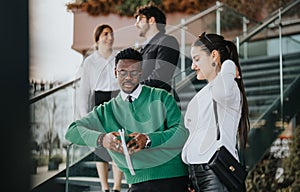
<point>128,53</point>
<point>151,10</point>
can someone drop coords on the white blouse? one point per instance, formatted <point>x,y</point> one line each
<point>201,122</point>
<point>97,74</point>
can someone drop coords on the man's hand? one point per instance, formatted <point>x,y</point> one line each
<point>111,142</point>
<point>137,142</point>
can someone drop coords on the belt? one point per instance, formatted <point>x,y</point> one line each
<point>199,167</point>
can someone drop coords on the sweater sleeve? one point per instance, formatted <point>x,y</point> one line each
<point>85,131</point>
<point>174,134</point>
<point>224,84</point>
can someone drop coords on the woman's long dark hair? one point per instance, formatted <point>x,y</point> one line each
<point>228,50</point>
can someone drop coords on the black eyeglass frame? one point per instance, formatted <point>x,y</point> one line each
<point>140,17</point>
<point>132,74</point>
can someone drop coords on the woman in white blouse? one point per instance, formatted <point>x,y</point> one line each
<point>97,71</point>
<point>98,84</point>
<point>215,60</point>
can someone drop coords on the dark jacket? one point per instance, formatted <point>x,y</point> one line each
<point>160,59</point>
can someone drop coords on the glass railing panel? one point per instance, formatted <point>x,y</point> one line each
<point>186,36</point>
<point>233,24</point>
<point>265,79</point>
<point>77,152</point>
<point>261,75</point>
<point>269,61</point>
<point>230,23</point>
<point>47,121</point>
<point>255,46</point>
<point>50,117</point>
<point>289,28</point>
<point>263,45</point>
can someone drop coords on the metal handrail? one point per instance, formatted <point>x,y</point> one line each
<point>177,87</point>
<point>245,38</point>
<point>51,91</point>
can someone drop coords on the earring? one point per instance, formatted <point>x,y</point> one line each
<point>213,64</point>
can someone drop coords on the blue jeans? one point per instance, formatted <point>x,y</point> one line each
<point>204,179</point>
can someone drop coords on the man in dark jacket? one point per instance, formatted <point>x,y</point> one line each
<point>160,51</point>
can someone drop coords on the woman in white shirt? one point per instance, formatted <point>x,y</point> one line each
<point>215,60</point>
<point>97,72</point>
<point>98,84</point>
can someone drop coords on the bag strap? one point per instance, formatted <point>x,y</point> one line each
<point>216,117</point>
<point>240,150</point>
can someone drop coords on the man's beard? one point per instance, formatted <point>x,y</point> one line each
<point>144,30</point>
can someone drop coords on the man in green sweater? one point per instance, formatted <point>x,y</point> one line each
<point>153,126</point>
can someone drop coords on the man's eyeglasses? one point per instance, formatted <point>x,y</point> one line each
<point>139,18</point>
<point>123,73</point>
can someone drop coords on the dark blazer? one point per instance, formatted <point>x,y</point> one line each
<point>160,59</point>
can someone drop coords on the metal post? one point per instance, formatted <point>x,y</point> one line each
<point>280,65</point>
<point>67,168</point>
<point>245,22</point>
<point>238,44</point>
<point>218,19</point>
<point>182,49</point>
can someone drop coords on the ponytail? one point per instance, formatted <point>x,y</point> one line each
<point>244,124</point>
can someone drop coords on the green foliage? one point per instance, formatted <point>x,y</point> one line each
<point>291,164</point>
<point>263,177</point>
<point>56,158</point>
<point>41,160</point>
<point>254,9</point>
<point>128,8</point>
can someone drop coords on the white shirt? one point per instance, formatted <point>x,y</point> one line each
<point>135,94</point>
<point>201,122</point>
<point>97,74</point>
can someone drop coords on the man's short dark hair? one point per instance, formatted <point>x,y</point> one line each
<point>152,10</point>
<point>128,53</point>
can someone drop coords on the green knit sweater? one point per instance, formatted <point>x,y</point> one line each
<point>155,113</point>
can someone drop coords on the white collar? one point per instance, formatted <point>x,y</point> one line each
<point>135,94</point>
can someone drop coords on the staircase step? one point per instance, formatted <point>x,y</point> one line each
<point>269,72</point>
<point>264,80</point>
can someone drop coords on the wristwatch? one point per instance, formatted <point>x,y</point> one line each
<point>148,143</point>
<point>100,140</point>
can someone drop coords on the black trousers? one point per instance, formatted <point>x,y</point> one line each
<point>205,180</point>
<point>175,184</point>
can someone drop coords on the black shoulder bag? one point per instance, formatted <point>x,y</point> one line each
<point>230,171</point>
